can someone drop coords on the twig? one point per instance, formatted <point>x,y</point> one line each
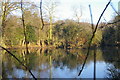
<point>111,23</point>
<point>19,61</point>
<point>114,22</point>
<point>91,18</point>
<point>35,6</point>
<point>89,44</point>
<point>104,19</point>
<point>114,9</point>
<point>41,15</point>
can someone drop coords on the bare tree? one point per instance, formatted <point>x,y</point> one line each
<point>77,13</point>
<point>50,7</point>
<point>7,6</point>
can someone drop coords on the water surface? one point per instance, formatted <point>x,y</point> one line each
<point>59,63</point>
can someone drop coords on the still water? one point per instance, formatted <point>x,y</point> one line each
<point>59,63</point>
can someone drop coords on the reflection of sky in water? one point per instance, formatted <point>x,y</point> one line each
<point>100,70</point>
<point>63,66</point>
<point>66,72</point>
<point>19,73</point>
<point>87,72</point>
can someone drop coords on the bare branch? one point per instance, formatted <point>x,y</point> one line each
<point>91,18</point>
<point>78,13</point>
<point>89,44</point>
<point>104,19</point>
<point>114,22</point>
<point>18,61</point>
<point>35,5</point>
<point>114,9</point>
<point>110,23</point>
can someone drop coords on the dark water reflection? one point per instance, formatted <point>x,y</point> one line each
<point>57,63</point>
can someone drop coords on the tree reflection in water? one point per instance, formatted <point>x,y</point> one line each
<point>112,55</point>
<point>113,73</point>
<point>57,63</point>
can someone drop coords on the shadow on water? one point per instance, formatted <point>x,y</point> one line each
<point>59,63</point>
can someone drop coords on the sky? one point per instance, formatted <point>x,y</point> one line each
<point>96,6</point>
<point>65,9</point>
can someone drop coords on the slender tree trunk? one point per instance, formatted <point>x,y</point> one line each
<point>24,27</point>
<point>50,31</point>
<point>50,28</point>
<point>3,18</point>
<point>41,15</point>
<point>91,18</point>
<point>66,44</point>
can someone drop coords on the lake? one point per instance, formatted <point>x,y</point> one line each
<point>59,63</point>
